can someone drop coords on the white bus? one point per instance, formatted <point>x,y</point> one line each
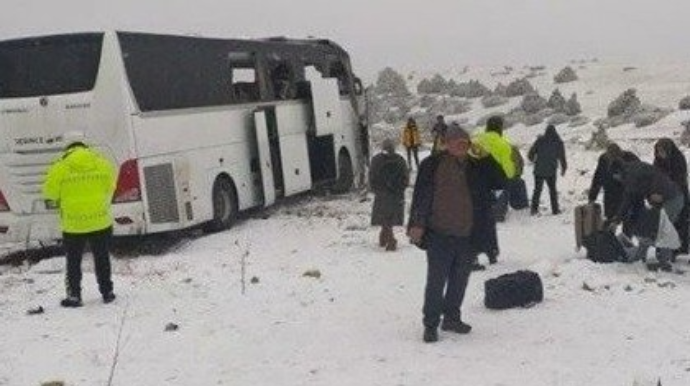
<point>199,128</point>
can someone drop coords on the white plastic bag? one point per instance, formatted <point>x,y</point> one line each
<point>666,236</point>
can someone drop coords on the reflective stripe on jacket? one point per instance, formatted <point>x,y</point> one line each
<point>82,184</point>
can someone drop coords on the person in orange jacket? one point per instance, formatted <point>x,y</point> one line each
<point>411,141</point>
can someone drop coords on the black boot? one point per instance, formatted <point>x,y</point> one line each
<point>456,326</point>
<point>71,302</point>
<point>109,297</point>
<point>493,257</point>
<point>430,335</point>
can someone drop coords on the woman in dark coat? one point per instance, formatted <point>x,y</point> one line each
<point>388,178</point>
<point>669,159</point>
<point>546,153</point>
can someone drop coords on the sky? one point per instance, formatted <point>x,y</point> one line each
<point>432,35</point>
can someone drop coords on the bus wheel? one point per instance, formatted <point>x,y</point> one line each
<point>224,206</point>
<point>346,175</point>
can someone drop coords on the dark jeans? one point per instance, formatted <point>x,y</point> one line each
<point>74,246</point>
<point>553,194</point>
<point>413,151</point>
<point>449,265</point>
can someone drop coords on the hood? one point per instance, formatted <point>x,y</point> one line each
<point>80,159</point>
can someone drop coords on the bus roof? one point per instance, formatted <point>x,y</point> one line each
<point>279,43</point>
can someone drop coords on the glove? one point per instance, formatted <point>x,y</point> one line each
<point>611,224</point>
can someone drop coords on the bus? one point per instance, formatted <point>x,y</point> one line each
<point>199,128</point>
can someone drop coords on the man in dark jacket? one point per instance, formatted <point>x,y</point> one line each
<point>450,212</point>
<point>546,153</point>
<point>643,181</point>
<point>608,179</point>
<point>388,178</point>
<point>438,132</point>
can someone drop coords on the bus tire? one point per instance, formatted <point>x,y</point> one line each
<point>346,175</point>
<point>224,202</point>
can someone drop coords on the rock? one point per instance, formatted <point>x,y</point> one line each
<point>35,311</point>
<point>53,383</point>
<point>567,74</point>
<point>172,327</point>
<point>314,273</point>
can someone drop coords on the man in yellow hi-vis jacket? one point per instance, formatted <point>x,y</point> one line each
<point>81,184</point>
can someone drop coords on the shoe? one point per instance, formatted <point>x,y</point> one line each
<point>109,297</point>
<point>71,302</point>
<point>534,212</point>
<point>456,326</point>
<point>493,258</point>
<point>392,245</point>
<point>477,267</point>
<point>556,212</point>
<point>430,335</point>
<point>666,267</point>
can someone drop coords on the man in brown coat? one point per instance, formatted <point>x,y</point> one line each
<point>449,216</point>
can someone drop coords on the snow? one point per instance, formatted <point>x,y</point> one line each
<point>359,323</point>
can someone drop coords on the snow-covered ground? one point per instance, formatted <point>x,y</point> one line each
<point>359,322</point>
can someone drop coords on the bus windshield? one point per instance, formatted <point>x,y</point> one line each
<point>50,65</point>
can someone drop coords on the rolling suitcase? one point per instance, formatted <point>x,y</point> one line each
<point>587,221</point>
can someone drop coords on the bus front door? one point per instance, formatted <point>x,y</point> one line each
<point>266,168</point>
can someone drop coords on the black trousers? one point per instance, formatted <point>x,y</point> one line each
<point>553,193</point>
<point>75,244</point>
<point>449,261</point>
<point>413,151</point>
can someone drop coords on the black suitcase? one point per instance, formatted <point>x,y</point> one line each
<point>517,289</point>
<point>517,194</point>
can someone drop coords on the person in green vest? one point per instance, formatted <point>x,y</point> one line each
<point>80,184</point>
<point>492,143</point>
<point>496,145</point>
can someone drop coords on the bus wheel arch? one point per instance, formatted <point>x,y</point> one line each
<point>346,176</point>
<point>223,203</point>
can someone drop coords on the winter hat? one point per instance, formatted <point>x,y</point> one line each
<point>388,145</point>
<point>495,124</point>
<point>454,131</point>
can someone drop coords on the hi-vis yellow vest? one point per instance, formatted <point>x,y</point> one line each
<point>499,148</point>
<point>82,184</point>
<point>410,136</point>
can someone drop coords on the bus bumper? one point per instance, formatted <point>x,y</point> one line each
<point>29,229</point>
<point>128,219</point>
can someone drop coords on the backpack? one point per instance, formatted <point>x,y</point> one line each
<point>517,289</point>
<point>603,247</point>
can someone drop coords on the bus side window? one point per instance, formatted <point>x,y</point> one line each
<point>244,85</point>
<point>244,81</point>
<point>283,82</point>
<point>337,70</point>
